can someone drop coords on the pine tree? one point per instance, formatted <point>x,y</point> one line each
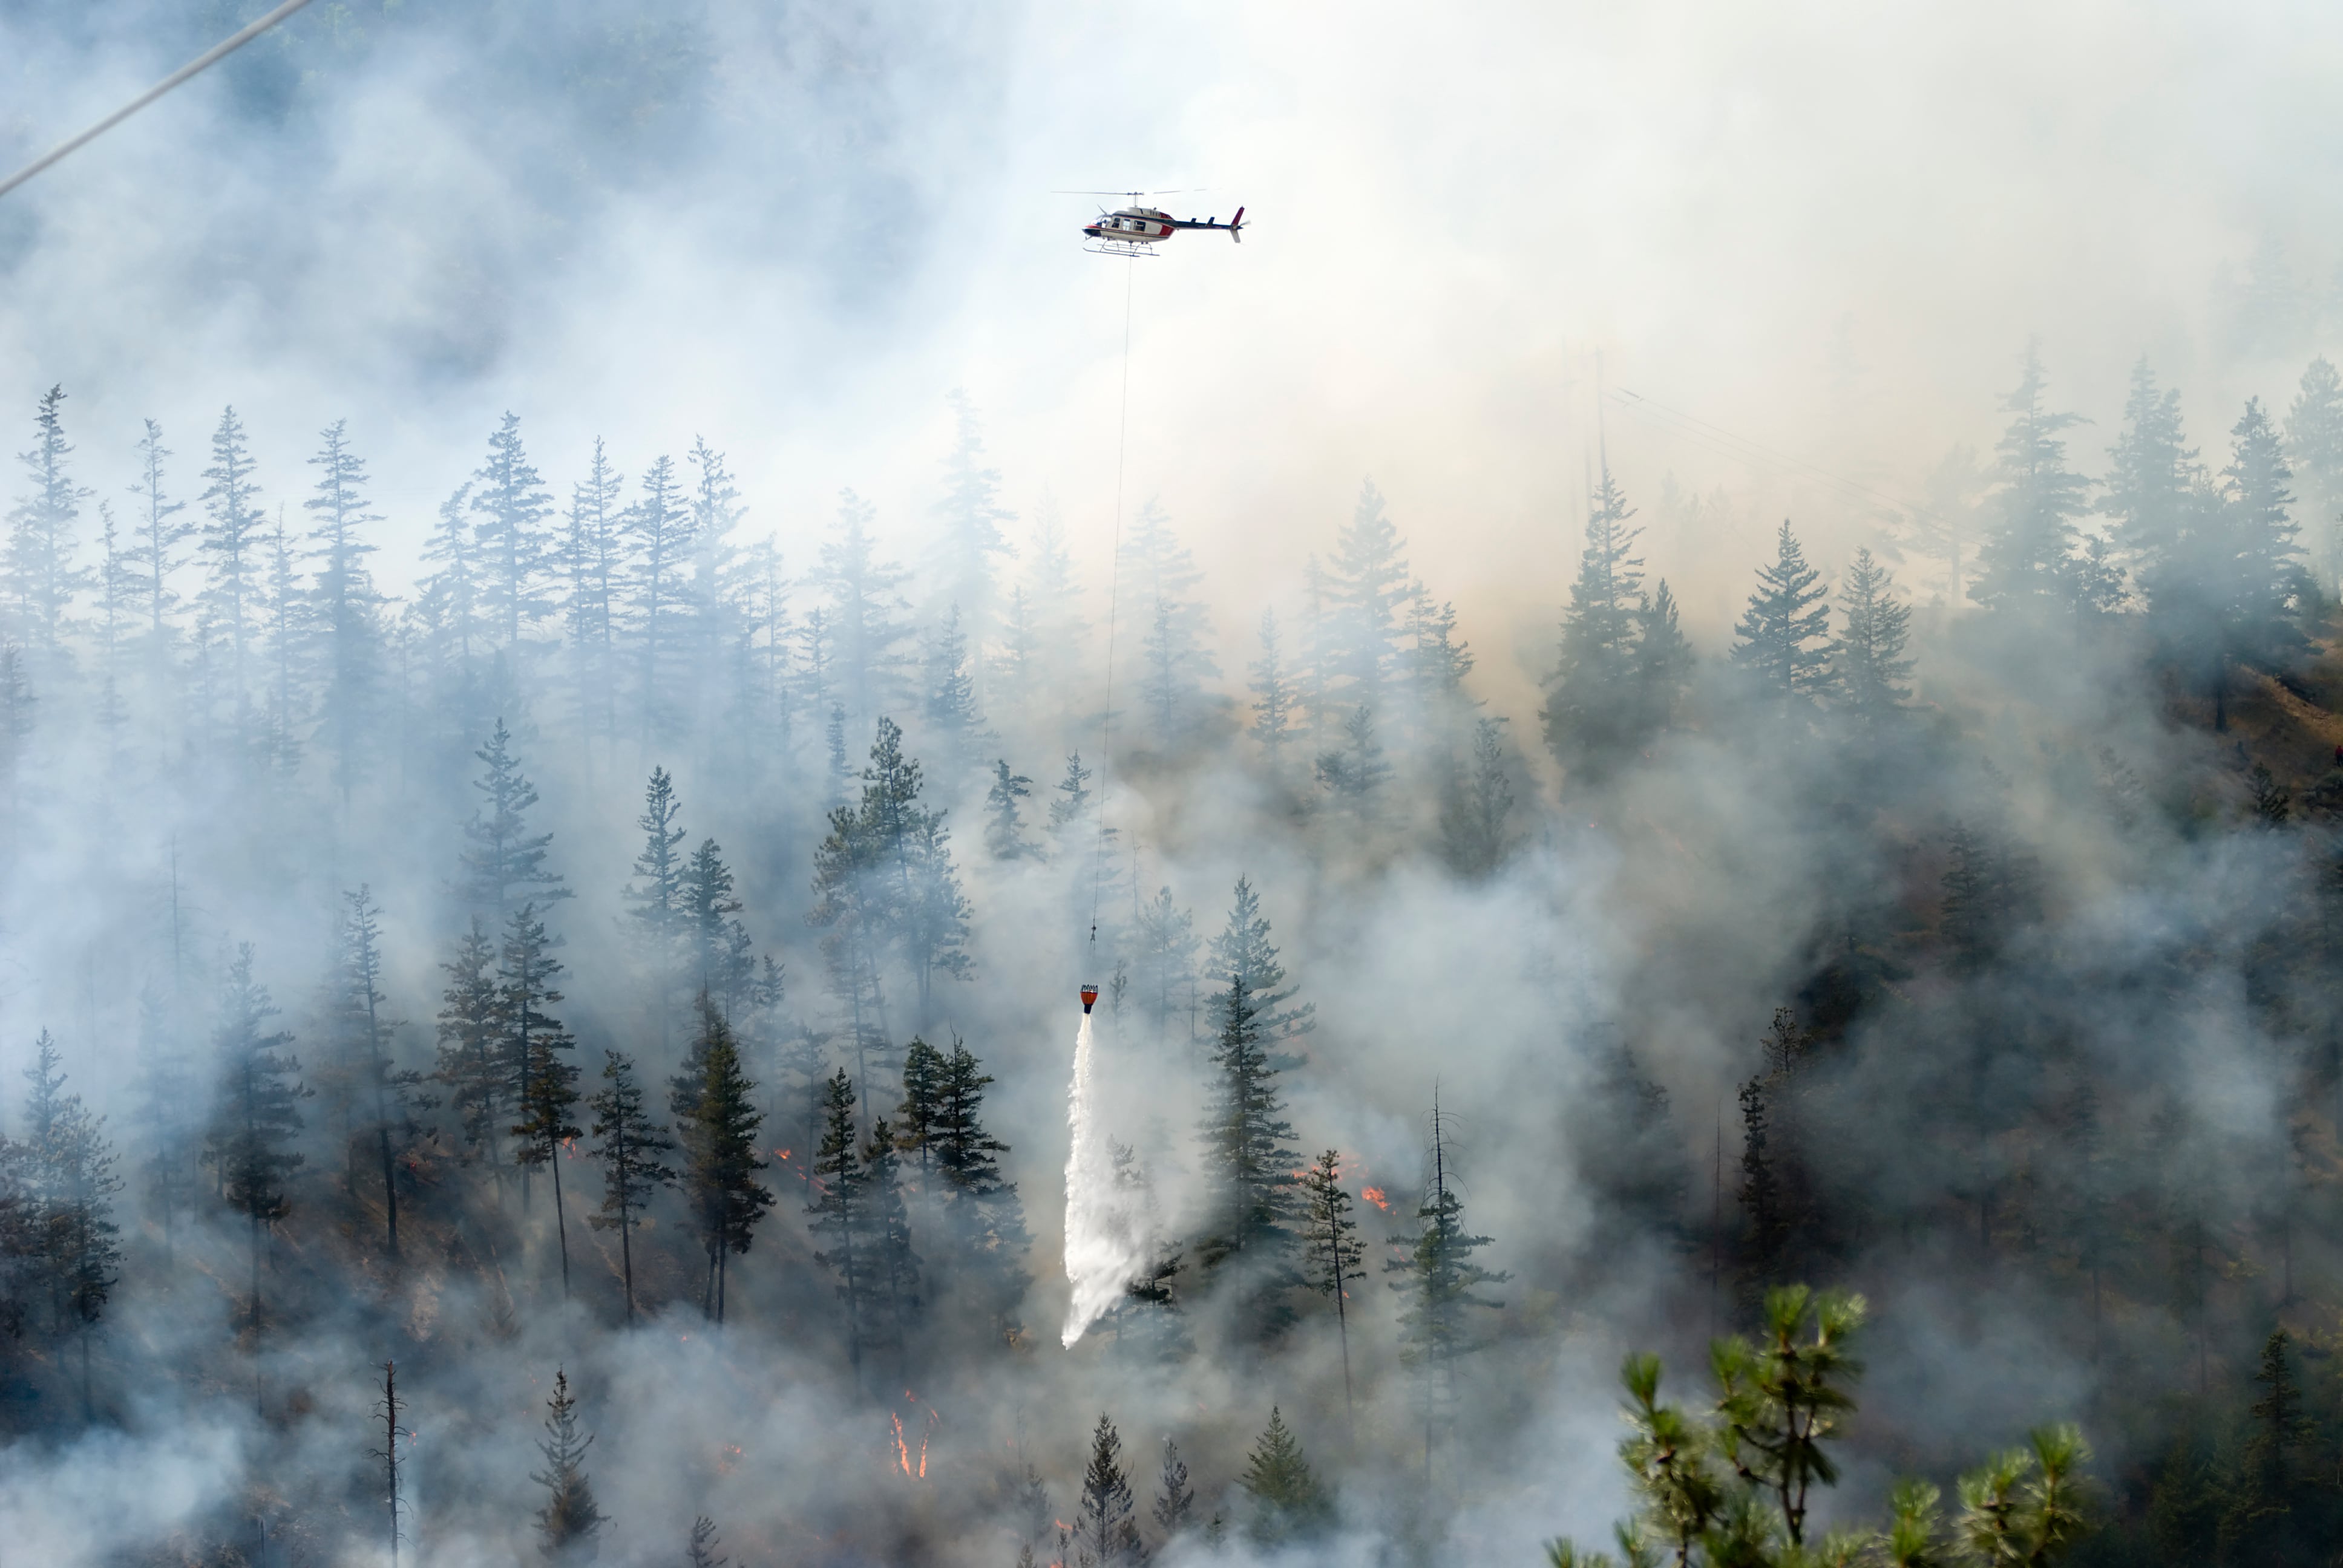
<point>1167,960</point>
<point>1781,632</point>
<point>2314,448</point>
<point>661,891</point>
<point>716,1122</point>
<point>1004,833</point>
<point>256,1115</point>
<point>1367,587</point>
<point>1244,949</point>
<point>903,850</point>
<point>1175,660</point>
<point>361,1033</point>
<point>1437,662</point>
<point>1438,1280</point>
<point>1249,1164</point>
<point>2263,580</point>
<point>1106,1532</point>
<point>660,535</point>
<point>287,637</point>
<point>1071,810</point>
<point>1288,1502</point>
<point>982,1217</point>
<point>1759,1191</point>
<point>838,1212</point>
<point>1175,1501</point>
<point>700,1551</point>
<point>1780,1397</point>
<point>864,612</point>
<point>2153,476</point>
<point>2026,558</point>
<point>719,961</point>
<point>632,1151</point>
<point>1869,666</point>
<point>471,1055</point>
<point>160,536</point>
<point>512,502</point>
<point>894,1266</point>
<point>1664,661</point>
<point>234,543</point>
<point>545,1079</point>
<point>1273,698</point>
<point>1475,808</point>
<point>1354,774</point>
<point>950,706</point>
<point>502,858</point>
<point>594,566</point>
<point>713,630</point>
<point>449,607</point>
<point>1334,1258</point>
<point>568,1524</point>
<point>1594,709</point>
<point>388,1408</point>
<point>347,606</point>
<point>969,538</point>
<point>40,574</point>
<point>70,1201</point>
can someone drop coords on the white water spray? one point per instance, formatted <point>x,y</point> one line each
<point>1105,1246</point>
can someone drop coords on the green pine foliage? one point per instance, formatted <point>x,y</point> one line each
<point>716,1123</point>
<point>2023,566</point>
<point>1287,1501</point>
<point>256,1110</point>
<point>503,861</point>
<point>570,1522</point>
<point>1249,1160</point>
<point>1784,632</point>
<point>633,1151</point>
<point>1869,662</point>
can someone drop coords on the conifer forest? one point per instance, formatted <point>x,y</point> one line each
<point>1706,825</point>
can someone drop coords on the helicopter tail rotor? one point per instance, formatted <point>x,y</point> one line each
<point>1236,227</point>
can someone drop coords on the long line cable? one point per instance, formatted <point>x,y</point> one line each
<point>1114,586</point>
<point>204,61</point>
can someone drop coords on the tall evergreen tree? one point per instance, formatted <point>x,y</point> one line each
<point>1288,1501</point>
<point>1004,831</point>
<point>1355,773</point>
<point>1594,706</point>
<point>1476,808</point>
<point>1367,590</point>
<point>288,638</point>
<point>2025,560</point>
<point>571,1522</point>
<point>714,628</point>
<point>716,1122</point>
<point>1249,1164</point>
<point>1334,1258</point>
<point>660,535</point>
<point>950,702</point>
<point>1166,960</point>
<point>969,538</point>
<point>982,1218</point>
<point>717,945</point>
<point>1159,577</point>
<point>1106,1531</point>
<point>864,612</point>
<point>450,608</point>
<point>894,1266</point>
<point>1869,664</point>
<point>156,552</point>
<point>1175,1501</point>
<point>1438,1281</point>
<point>471,1054</point>
<point>594,564</point>
<point>74,1236</point>
<point>2314,448</point>
<point>1664,660</point>
<point>1273,697</point>
<point>503,861</point>
<point>544,1078</point>
<point>1244,950</point>
<point>632,1151</point>
<point>41,574</point>
<point>235,542</point>
<point>347,609</point>
<point>2153,476</point>
<point>513,504</point>
<point>1785,629</point>
<point>256,1115</point>
<point>360,1034</point>
<point>840,1212</point>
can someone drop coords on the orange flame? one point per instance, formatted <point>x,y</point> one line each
<point>902,1453</point>
<point>1375,1195</point>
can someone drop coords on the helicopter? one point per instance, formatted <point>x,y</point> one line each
<point>1135,230</point>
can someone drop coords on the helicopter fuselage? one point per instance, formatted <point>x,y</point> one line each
<point>1143,225</point>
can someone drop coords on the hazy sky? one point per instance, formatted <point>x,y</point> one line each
<point>1827,228</point>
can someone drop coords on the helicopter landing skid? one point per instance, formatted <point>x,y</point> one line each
<point>1120,248</point>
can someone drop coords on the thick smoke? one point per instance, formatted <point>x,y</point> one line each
<point>1752,264</point>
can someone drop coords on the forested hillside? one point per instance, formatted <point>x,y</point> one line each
<point>559,1045</point>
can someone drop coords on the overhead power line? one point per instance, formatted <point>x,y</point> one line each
<point>209,58</point>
